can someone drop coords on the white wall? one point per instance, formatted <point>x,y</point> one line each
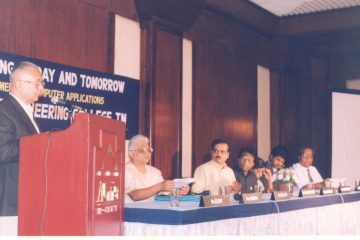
<point>127,48</point>
<point>345,137</point>
<point>186,108</point>
<point>263,121</point>
<point>127,52</point>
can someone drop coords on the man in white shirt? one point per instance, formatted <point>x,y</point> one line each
<point>16,121</point>
<point>307,175</point>
<point>215,173</point>
<point>142,181</point>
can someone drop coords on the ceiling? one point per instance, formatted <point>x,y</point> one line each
<point>284,8</point>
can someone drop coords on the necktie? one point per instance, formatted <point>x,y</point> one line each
<point>36,125</point>
<point>310,178</point>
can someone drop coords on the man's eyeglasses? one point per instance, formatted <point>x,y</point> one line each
<point>36,84</point>
<point>142,150</point>
<point>307,155</point>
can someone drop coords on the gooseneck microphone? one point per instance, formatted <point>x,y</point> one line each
<point>58,101</point>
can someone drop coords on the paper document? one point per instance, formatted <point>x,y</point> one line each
<point>180,182</point>
<point>335,182</point>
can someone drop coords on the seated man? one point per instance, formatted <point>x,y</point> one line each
<point>142,181</point>
<point>252,179</point>
<point>307,175</point>
<point>214,174</point>
<point>277,158</point>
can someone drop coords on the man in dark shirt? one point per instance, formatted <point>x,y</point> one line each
<point>277,158</point>
<point>251,179</point>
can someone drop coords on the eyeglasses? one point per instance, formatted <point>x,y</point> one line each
<point>36,84</point>
<point>142,150</point>
<point>307,155</point>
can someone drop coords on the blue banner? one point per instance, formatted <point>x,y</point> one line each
<point>103,94</point>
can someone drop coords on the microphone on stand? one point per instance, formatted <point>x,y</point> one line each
<point>58,101</point>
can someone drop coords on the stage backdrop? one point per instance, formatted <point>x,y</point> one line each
<point>99,93</point>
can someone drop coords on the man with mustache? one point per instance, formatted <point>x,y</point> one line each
<point>215,173</point>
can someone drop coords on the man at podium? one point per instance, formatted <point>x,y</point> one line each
<point>16,121</point>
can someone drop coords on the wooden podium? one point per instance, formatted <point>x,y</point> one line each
<point>71,182</point>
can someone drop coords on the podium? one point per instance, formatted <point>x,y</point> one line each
<point>71,182</point>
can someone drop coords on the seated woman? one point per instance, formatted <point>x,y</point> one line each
<point>247,176</point>
<point>142,181</point>
<point>264,175</point>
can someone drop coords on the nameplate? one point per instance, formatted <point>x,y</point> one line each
<point>307,192</point>
<point>216,200</point>
<point>327,191</point>
<point>280,195</point>
<point>345,189</point>
<point>357,188</point>
<point>250,197</point>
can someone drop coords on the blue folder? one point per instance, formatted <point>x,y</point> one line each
<point>184,198</point>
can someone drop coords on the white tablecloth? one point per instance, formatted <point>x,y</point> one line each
<point>336,219</point>
<point>327,220</point>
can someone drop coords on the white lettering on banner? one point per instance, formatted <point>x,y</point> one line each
<point>6,66</point>
<point>57,112</point>
<point>48,74</point>
<point>121,116</point>
<point>103,113</point>
<point>99,83</point>
<point>49,111</point>
<point>67,78</point>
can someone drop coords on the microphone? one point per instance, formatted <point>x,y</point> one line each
<point>58,101</point>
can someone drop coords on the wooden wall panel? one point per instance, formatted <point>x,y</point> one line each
<point>63,31</point>
<point>225,60</point>
<point>161,90</point>
<point>319,62</point>
<point>167,103</point>
<point>276,107</point>
<point>319,114</point>
<point>305,60</point>
<point>225,101</point>
<point>292,102</point>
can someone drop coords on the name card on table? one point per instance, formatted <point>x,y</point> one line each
<point>327,191</point>
<point>280,195</point>
<point>250,197</point>
<point>216,200</point>
<point>307,192</point>
<point>345,189</point>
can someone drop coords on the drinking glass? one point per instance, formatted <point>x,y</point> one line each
<point>174,197</point>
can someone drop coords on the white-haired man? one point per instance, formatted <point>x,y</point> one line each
<point>142,181</point>
<point>16,120</point>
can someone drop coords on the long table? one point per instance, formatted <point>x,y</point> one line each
<point>334,214</point>
<point>325,215</point>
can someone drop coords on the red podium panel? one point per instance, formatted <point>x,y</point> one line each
<point>71,182</point>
